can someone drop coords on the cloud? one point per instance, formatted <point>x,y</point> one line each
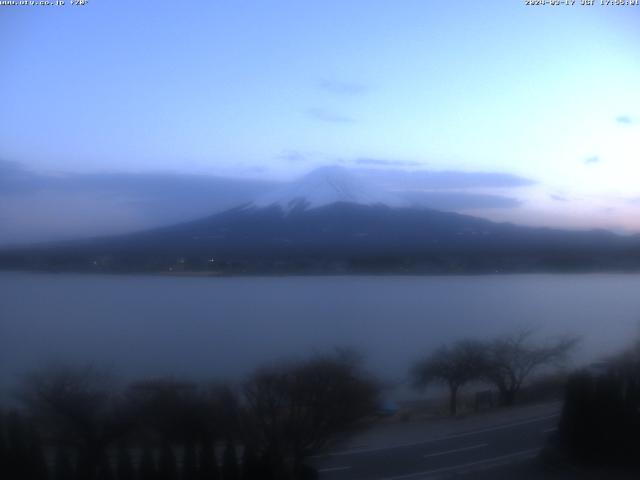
<point>456,201</point>
<point>41,207</point>
<point>625,120</point>
<point>257,169</point>
<point>342,88</point>
<point>442,180</point>
<point>292,156</point>
<point>328,116</point>
<point>558,198</point>
<point>14,178</point>
<point>8,168</point>
<point>37,207</point>
<point>592,160</point>
<point>151,184</point>
<point>396,163</point>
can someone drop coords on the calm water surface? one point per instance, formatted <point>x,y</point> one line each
<point>224,327</point>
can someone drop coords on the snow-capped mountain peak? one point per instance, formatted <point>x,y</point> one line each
<point>327,185</point>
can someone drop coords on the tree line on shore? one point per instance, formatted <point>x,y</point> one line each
<point>76,423</point>
<point>600,420</point>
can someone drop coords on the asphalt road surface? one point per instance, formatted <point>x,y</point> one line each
<point>444,456</point>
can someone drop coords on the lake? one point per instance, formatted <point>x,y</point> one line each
<point>221,328</point>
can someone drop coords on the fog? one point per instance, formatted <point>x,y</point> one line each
<point>209,328</point>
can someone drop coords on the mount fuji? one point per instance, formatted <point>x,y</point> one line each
<point>330,221</point>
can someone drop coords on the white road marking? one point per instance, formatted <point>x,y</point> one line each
<point>332,469</point>
<point>448,437</point>
<point>502,458</point>
<point>455,450</point>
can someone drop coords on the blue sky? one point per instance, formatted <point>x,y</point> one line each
<point>272,89</point>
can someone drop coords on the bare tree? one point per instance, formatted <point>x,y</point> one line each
<point>4,451</point>
<point>296,410</point>
<point>78,406</point>
<point>513,358</point>
<point>453,366</point>
<point>184,412</point>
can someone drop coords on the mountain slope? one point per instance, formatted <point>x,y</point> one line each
<point>339,237</point>
<point>330,222</point>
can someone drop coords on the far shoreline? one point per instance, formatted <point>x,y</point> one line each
<point>200,274</point>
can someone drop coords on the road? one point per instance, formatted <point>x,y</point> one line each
<point>494,442</point>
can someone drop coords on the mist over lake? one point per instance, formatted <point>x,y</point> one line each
<point>222,328</point>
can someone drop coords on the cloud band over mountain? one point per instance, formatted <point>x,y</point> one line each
<point>39,207</point>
